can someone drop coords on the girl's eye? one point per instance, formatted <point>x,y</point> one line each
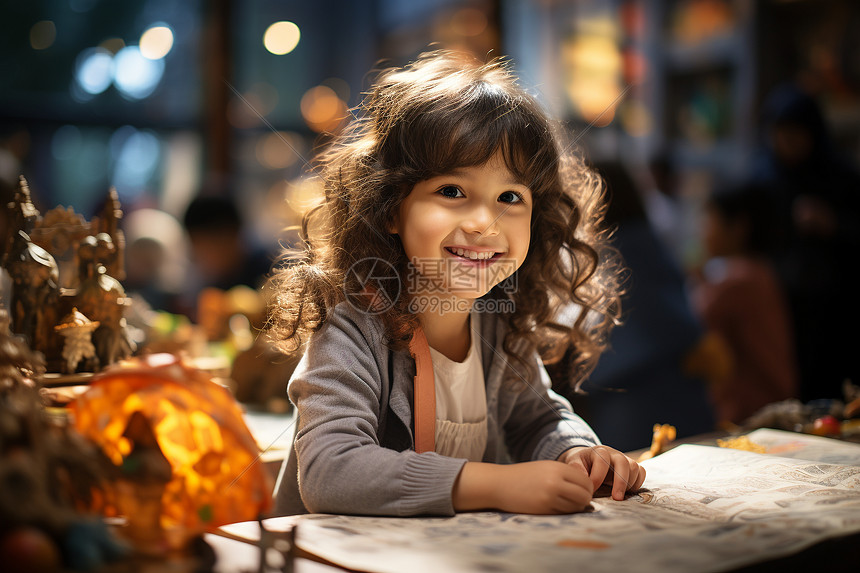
<point>510,197</point>
<point>450,191</point>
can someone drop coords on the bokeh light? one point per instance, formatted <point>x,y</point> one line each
<point>291,199</point>
<point>594,66</point>
<point>118,139</point>
<point>265,96</point>
<point>156,42</point>
<point>137,156</point>
<point>636,118</point>
<point>468,22</point>
<point>135,76</point>
<point>305,193</point>
<point>635,67</point>
<point>282,38</point>
<point>94,70</point>
<point>42,35</point>
<point>322,109</point>
<point>113,45</point>
<point>340,87</point>
<point>279,150</point>
<point>247,110</point>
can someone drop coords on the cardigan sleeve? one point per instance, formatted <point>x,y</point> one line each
<point>338,391</point>
<point>542,424</point>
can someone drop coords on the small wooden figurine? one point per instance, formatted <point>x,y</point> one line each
<point>102,297</point>
<point>109,225</point>
<point>77,330</point>
<point>22,216</point>
<point>663,434</point>
<point>35,291</point>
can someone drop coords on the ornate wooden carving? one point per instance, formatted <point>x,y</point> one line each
<point>61,261</point>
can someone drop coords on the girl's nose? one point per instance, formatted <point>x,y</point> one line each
<point>482,219</point>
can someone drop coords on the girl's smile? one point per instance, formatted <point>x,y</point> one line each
<point>476,256</point>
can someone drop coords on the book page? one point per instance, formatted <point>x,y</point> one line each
<point>702,508</point>
<point>804,446</point>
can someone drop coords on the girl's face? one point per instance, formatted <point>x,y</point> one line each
<point>465,231</point>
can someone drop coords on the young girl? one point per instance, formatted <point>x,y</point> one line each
<point>455,227</point>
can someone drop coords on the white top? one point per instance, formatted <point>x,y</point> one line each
<point>461,401</point>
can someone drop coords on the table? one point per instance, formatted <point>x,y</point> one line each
<point>704,509</point>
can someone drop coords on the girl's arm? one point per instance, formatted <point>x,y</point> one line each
<point>542,487</point>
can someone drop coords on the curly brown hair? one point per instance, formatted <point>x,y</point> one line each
<point>442,112</point>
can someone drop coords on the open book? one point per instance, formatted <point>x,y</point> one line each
<point>702,508</point>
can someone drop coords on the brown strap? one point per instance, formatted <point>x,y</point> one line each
<point>424,394</point>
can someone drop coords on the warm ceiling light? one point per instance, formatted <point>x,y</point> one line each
<point>156,42</point>
<point>281,38</point>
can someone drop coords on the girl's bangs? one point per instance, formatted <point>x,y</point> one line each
<point>484,124</point>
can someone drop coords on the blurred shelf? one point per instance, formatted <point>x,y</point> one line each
<point>56,380</point>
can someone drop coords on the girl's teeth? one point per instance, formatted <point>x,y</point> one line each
<point>473,255</point>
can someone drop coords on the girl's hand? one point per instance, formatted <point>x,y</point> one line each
<point>542,487</point>
<point>605,465</point>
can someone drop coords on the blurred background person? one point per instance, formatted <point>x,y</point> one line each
<point>661,204</point>
<point>222,254</point>
<point>740,299</point>
<point>815,197</point>
<point>224,296</point>
<point>156,254</point>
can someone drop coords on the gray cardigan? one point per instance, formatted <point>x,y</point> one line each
<point>353,451</point>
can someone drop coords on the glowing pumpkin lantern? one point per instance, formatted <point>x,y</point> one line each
<point>145,411</point>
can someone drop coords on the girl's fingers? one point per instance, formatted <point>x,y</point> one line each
<point>640,479</point>
<point>633,480</point>
<point>600,463</point>
<point>621,483</point>
<point>606,465</point>
<point>574,497</point>
<point>579,477</point>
